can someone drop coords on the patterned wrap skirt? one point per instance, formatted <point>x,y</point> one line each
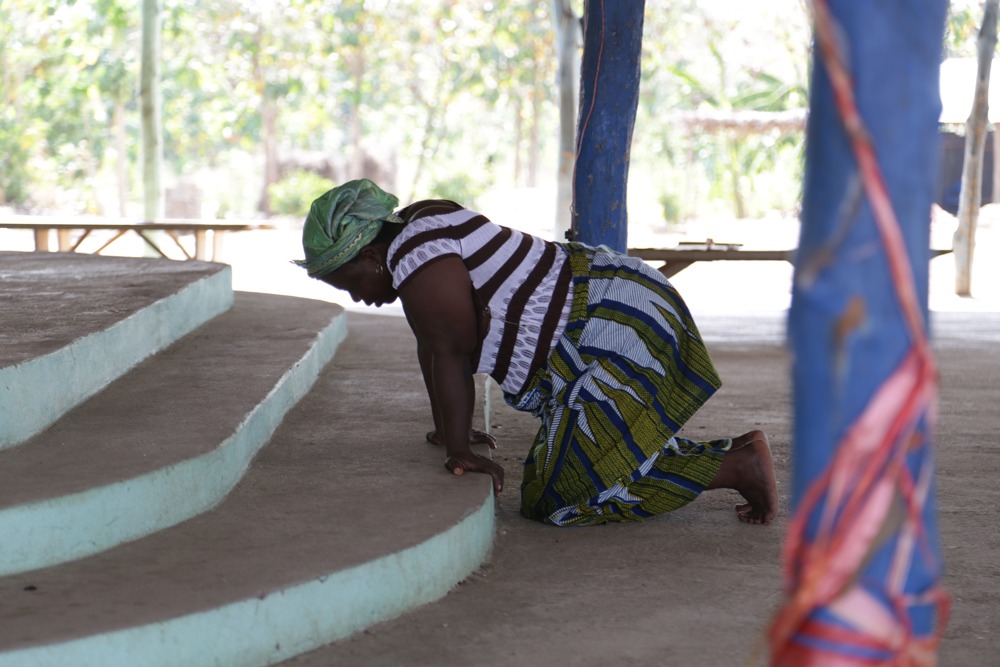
<point>629,370</point>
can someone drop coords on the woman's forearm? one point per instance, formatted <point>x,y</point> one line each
<point>424,356</point>
<point>438,305</point>
<point>454,393</point>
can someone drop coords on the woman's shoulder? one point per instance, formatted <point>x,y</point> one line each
<point>429,207</point>
<point>437,227</point>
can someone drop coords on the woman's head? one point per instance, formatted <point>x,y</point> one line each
<point>346,237</point>
<point>343,221</point>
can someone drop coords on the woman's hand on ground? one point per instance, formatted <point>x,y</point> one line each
<point>475,438</point>
<point>459,464</point>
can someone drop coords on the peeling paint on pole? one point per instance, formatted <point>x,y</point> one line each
<point>862,559</point>
<point>150,101</point>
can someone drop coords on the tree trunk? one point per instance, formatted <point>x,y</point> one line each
<point>996,165</point>
<point>568,37</point>
<point>518,140</point>
<point>268,117</point>
<point>121,162</point>
<point>964,242</point>
<point>91,166</point>
<point>269,143</point>
<point>434,105</point>
<point>533,139</point>
<point>152,128</point>
<point>357,167</point>
<point>735,174</point>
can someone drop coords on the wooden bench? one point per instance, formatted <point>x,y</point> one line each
<point>64,228</point>
<point>685,254</point>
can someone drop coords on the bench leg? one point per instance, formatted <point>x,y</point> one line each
<point>217,245</point>
<point>177,241</point>
<point>152,245</point>
<point>201,244</point>
<point>65,237</point>
<point>670,269</point>
<point>112,240</point>
<point>80,240</point>
<point>41,240</point>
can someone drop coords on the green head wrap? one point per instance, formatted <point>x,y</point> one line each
<point>342,222</point>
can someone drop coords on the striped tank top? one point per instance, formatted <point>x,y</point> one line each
<point>521,283</point>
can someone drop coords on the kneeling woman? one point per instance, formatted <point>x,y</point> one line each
<point>596,344</point>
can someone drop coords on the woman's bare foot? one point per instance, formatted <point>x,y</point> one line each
<point>747,468</point>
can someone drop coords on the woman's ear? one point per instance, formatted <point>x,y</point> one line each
<point>376,252</point>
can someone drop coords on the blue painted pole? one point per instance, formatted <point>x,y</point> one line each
<point>609,96</point>
<point>863,561</point>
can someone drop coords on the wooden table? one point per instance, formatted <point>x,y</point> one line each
<point>677,259</point>
<point>44,225</point>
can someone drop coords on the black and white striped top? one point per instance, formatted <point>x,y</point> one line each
<point>521,282</point>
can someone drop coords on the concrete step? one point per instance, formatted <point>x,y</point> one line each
<point>65,313</point>
<point>166,441</point>
<point>346,518</point>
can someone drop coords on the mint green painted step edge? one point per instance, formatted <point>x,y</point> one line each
<point>36,393</point>
<point>62,529</point>
<point>289,622</point>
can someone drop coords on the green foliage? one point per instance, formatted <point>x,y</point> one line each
<point>293,194</point>
<point>723,65</point>
<point>462,95</point>
<point>458,187</point>
<point>671,206</point>
<point>962,29</point>
<point>14,177</point>
<point>66,67</point>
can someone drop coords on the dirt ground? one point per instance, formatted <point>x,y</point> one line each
<point>697,586</point>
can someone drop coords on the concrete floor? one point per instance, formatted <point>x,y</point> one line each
<point>695,587</point>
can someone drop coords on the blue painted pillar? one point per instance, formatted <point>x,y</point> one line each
<point>862,560</point>
<point>609,96</point>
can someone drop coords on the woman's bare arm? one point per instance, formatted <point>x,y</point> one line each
<point>438,304</point>
<point>424,357</point>
<point>436,437</point>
